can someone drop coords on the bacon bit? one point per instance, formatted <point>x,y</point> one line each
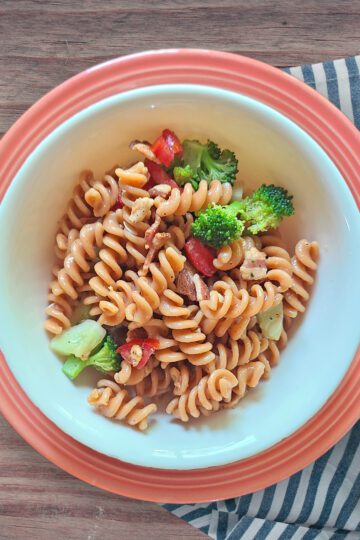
<point>161,190</point>
<point>185,282</point>
<point>158,242</point>
<point>254,265</point>
<point>202,290</point>
<point>140,209</point>
<point>144,148</point>
<point>151,231</point>
<point>158,174</point>
<point>190,284</point>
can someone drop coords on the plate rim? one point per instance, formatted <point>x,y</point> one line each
<point>311,112</point>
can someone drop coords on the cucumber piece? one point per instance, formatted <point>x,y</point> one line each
<point>271,322</point>
<point>79,340</point>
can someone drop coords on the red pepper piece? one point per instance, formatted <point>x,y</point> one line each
<point>166,147</point>
<point>173,142</point>
<point>147,346</point>
<point>200,256</point>
<point>162,151</point>
<point>158,175</point>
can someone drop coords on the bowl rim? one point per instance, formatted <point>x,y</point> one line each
<point>338,138</point>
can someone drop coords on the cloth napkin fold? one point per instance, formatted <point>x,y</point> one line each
<point>323,501</point>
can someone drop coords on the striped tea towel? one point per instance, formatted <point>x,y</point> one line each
<point>323,500</point>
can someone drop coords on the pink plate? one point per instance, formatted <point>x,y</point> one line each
<point>340,140</point>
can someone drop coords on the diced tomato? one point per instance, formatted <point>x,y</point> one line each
<point>140,357</point>
<point>119,203</point>
<point>162,151</point>
<point>200,256</point>
<point>173,142</point>
<point>166,147</point>
<point>158,175</point>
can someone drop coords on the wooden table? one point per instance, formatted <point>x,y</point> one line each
<point>42,43</point>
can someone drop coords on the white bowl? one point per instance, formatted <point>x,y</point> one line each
<point>270,148</point>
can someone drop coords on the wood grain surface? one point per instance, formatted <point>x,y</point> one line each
<point>42,43</point>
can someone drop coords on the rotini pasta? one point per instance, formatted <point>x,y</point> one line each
<point>204,396</point>
<point>102,195</point>
<point>248,376</point>
<point>196,313</point>
<point>115,402</point>
<point>189,200</point>
<point>303,265</point>
<point>185,329</point>
<point>78,212</point>
<point>231,256</point>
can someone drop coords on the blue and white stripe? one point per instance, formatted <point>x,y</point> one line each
<point>338,81</point>
<point>323,501</point>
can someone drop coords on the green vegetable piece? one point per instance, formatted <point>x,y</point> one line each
<point>73,367</point>
<point>208,162</point>
<point>105,360</point>
<point>271,322</point>
<point>265,208</point>
<point>183,175</point>
<point>218,225</point>
<point>79,340</point>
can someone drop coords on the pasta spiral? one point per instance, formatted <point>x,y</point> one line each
<point>78,212</point>
<point>278,264</point>
<point>239,352</point>
<point>102,196</point>
<point>58,312</point>
<point>235,328</point>
<point>304,265</point>
<point>156,383</point>
<point>63,243</point>
<point>76,262</point>
<point>114,402</point>
<point>65,289</point>
<point>135,176</point>
<point>231,256</point>
<point>204,396</point>
<point>145,297</point>
<point>185,330</point>
<point>184,376</point>
<point>189,200</point>
<point>231,313</point>
<point>108,269</point>
<point>131,182</point>
<point>248,376</point>
<point>223,302</point>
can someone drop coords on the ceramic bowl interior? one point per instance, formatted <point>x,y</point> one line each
<point>270,148</point>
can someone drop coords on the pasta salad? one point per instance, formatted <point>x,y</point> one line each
<point>168,280</point>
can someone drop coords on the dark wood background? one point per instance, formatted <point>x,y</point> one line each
<point>42,43</point>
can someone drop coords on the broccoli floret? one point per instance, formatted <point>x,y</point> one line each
<point>183,175</point>
<point>104,359</point>
<point>218,225</point>
<point>265,208</point>
<point>208,162</point>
